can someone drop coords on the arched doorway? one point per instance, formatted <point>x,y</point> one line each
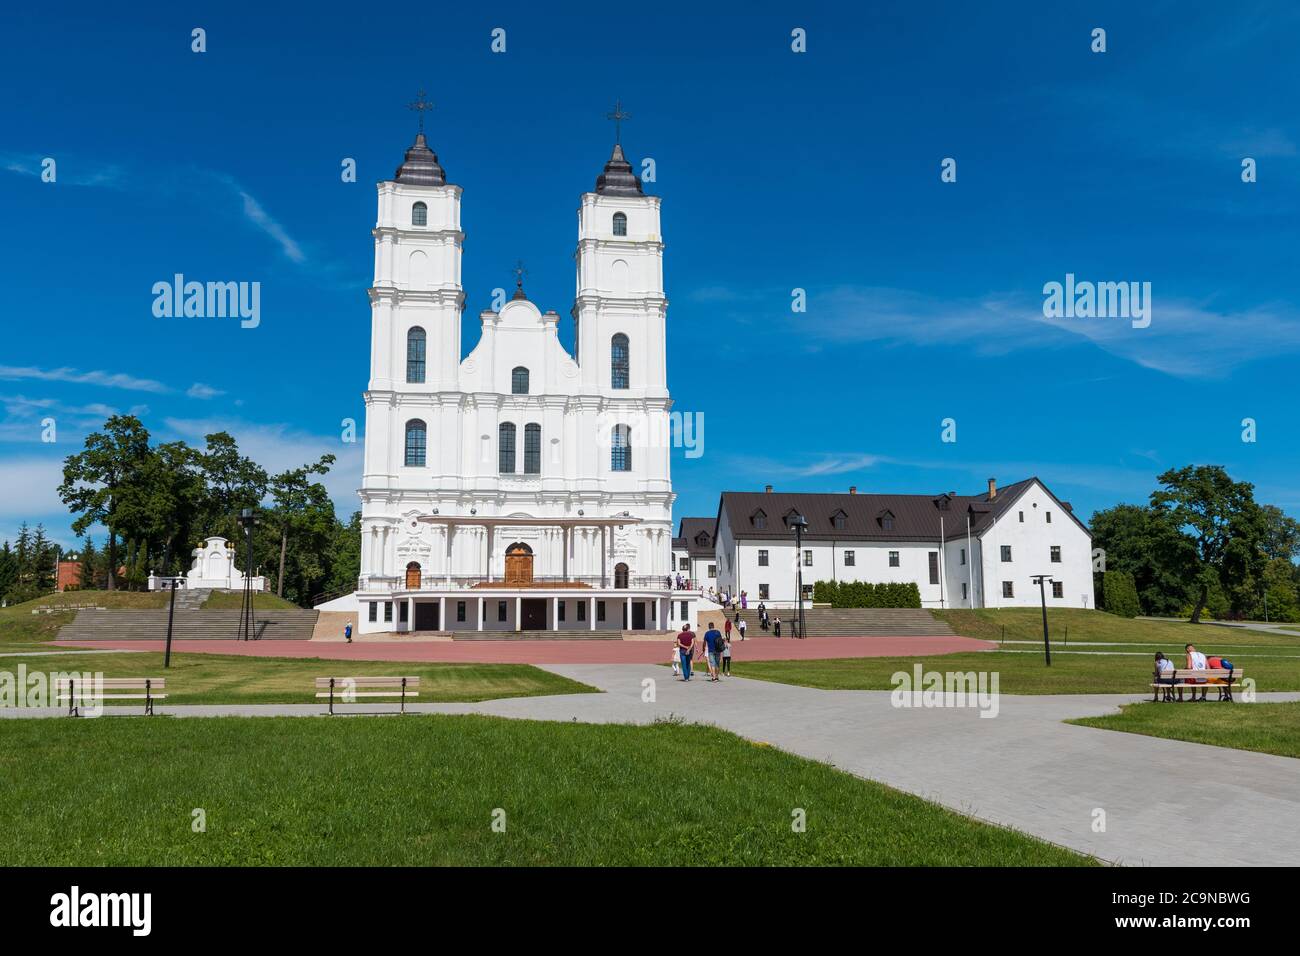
<point>413,576</point>
<point>620,575</point>
<point>519,564</point>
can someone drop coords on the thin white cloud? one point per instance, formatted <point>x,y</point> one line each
<point>68,173</point>
<point>77,377</point>
<point>201,391</point>
<point>258,216</point>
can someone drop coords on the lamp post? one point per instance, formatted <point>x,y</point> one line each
<point>171,585</point>
<point>1041,580</point>
<point>798,523</point>
<point>247,520</point>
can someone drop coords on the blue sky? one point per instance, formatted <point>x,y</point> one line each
<point>779,170</point>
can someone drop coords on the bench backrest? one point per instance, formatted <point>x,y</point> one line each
<point>1221,674</point>
<point>323,683</point>
<point>113,683</point>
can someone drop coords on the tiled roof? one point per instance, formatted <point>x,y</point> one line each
<point>865,516</point>
<point>688,535</point>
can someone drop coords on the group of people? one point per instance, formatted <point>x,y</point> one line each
<point>1165,672</point>
<point>716,648</point>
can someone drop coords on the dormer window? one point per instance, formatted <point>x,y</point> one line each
<point>620,224</point>
<point>887,520</point>
<point>839,520</point>
<point>419,214</point>
<point>759,520</point>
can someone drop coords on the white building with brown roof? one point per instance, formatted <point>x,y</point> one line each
<point>962,551</point>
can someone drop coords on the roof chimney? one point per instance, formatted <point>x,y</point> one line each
<point>853,489</point>
<point>993,488</point>
<point>768,489</point>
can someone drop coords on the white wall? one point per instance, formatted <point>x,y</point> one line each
<point>1030,541</point>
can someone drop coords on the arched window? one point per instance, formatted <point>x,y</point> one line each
<point>519,381</point>
<point>415,355</point>
<point>532,449</point>
<point>620,452</point>
<point>619,361</point>
<point>620,224</point>
<point>415,443</point>
<point>506,448</point>
<point>419,214</point>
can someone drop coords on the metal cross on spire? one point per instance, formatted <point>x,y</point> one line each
<point>519,272</point>
<point>421,105</point>
<point>618,116</point>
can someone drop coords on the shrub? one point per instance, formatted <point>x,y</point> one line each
<point>866,594</point>
<point>1119,594</point>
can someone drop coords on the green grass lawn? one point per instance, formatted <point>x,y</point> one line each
<point>1018,673</point>
<point>221,679</point>
<point>1267,728</point>
<point>19,625</point>
<point>1077,624</point>
<point>422,790</point>
<point>234,600</point>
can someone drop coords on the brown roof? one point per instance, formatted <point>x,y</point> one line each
<point>915,517</point>
<point>688,535</point>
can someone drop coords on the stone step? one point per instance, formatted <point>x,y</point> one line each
<point>110,625</point>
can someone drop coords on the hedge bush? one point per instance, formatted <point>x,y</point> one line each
<point>866,594</point>
<point>1119,594</point>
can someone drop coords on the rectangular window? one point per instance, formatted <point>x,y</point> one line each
<point>684,564</point>
<point>1058,589</point>
<point>1049,517</point>
<point>582,610</point>
<point>963,557</point>
<point>934,567</point>
<point>1056,554</point>
<point>763,594</point>
<point>807,592</point>
<point>600,610</point>
<point>388,611</point>
<point>893,559</point>
<point>1022,517</point>
<point>807,558</point>
<point>501,610</point>
<point>1008,589</point>
<point>684,611</point>
<point>963,590</point>
<point>559,609</point>
<point>460,611</point>
<point>850,559</point>
<point>415,357</point>
<point>532,449</point>
<point>1006,552</point>
<point>762,557</point>
<point>713,570</point>
<point>401,611</point>
<point>374,611</point>
<point>506,448</point>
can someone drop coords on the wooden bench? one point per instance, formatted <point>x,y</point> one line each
<point>78,692</point>
<point>350,688</point>
<point>1221,680</point>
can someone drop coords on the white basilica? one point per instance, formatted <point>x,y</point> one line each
<point>523,488</point>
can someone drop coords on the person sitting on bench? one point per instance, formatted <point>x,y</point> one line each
<point>1165,675</point>
<point>1196,661</point>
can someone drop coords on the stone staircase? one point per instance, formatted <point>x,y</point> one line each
<point>842,622</point>
<point>123,625</point>
<point>574,635</point>
<point>192,600</point>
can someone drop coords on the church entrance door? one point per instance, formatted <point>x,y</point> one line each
<point>426,615</point>
<point>533,612</point>
<point>413,576</point>
<point>519,564</point>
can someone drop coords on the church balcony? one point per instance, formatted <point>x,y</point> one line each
<point>478,582</point>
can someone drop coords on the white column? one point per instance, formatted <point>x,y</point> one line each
<point>591,613</point>
<point>565,533</point>
<point>451,533</point>
<point>442,614</point>
<point>604,579</point>
<point>555,614</point>
<point>410,614</point>
<point>629,613</point>
<point>482,611</point>
<point>488,561</point>
<point>519,606</point>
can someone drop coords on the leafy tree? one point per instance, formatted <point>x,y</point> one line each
<point>293,494</point>
<point>233,482</point>
<point>1220,518</point>
<point>1119,594</point>
<point>107,471</point>
<point>1281,534</point>
<point>1146,544</point>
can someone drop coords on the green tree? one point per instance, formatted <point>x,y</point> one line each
<point>107,471</point>
<point>1219,517</point>
<point>233,482</point>
<point>1146,544</point>
<point>293,493</point>
<point>8,570</point>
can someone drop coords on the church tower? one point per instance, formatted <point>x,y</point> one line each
<point>416,303</point>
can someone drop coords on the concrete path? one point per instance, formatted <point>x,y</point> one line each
<point>1024,768</point>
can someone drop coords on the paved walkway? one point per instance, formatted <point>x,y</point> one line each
<point>1023,769</point>
<point>559,652</point>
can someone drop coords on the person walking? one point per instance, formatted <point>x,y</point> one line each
<point>741,628</point>
<point>726,655</point>
<point>347,632</point>
<point>713,651</point>
<point>776,625</point>
<point>686,649</point>
<point>744,600</point>
<point>726,628</point>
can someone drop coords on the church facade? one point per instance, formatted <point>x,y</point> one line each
<point>520,488</point>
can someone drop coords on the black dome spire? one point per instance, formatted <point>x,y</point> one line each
<point>618,178</point>
<point>420,167</point>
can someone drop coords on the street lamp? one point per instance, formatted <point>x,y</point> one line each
<point>171,585</point>
<point>247,520</point>
<point>1041,580</point>
<point>798,523</point>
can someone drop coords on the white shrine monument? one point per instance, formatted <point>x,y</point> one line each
<point>214,567</point>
